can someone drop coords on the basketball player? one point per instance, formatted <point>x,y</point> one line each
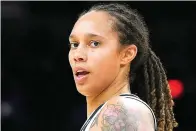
<point>124,82</point>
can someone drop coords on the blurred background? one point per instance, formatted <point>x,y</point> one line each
<point>38,91</point>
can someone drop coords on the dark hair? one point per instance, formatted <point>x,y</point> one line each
<point>147,76</point>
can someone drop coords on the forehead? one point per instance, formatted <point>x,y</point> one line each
<point>93,22</point>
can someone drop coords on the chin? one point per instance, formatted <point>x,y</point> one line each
<point>85,90</point>
<point>82,89</point>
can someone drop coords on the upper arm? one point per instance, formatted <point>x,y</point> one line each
<point>121,114</point>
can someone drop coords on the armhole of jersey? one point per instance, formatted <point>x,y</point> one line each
<point>90,117</point>
<point>135,97</point>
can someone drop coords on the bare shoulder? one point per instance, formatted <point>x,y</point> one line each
<point>124,114</point>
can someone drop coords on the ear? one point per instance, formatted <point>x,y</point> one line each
<point>128,53</point>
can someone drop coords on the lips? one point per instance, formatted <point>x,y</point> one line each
<point>80,74</point>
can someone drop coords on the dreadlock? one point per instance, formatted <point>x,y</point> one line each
<point>147,76</point>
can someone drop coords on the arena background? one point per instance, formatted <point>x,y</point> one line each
<point>38,91</point>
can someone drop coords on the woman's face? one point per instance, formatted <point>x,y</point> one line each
<point>94,53</point>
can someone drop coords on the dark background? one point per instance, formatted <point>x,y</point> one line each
<point>38,91</point>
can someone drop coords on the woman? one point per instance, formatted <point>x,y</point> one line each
<point>111,59</point>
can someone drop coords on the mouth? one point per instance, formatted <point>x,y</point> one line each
<point>81,73</point>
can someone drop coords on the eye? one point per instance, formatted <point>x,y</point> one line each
<point>74,45</point>
<point>94,43</point>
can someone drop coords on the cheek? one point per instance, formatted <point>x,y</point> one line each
<point>106,64</point>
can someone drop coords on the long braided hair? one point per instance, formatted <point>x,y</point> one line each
<point>147,76</point>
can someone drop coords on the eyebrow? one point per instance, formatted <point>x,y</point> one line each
<point>87,35</point>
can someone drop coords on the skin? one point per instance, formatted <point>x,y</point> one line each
<point>119,114</point>
<point>95,46</point>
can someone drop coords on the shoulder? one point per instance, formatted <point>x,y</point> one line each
<point>121,113</point>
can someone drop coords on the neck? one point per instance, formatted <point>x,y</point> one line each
<point>115,89</point>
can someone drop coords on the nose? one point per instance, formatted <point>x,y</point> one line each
<point>80,55</point>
